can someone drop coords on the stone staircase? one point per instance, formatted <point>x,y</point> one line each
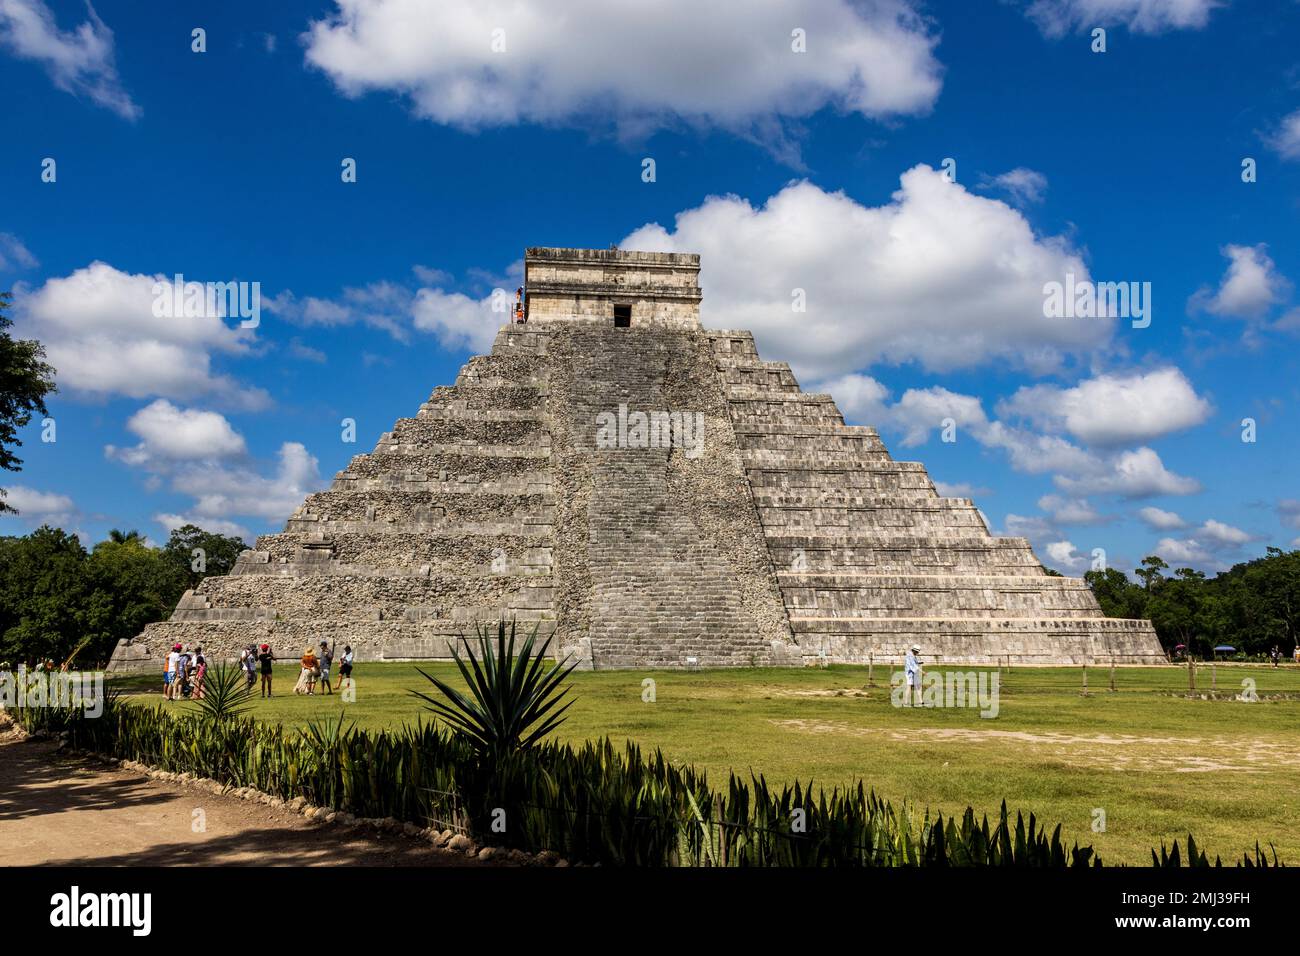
<point>670,551</point>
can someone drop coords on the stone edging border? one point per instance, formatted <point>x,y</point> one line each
<point>446,840</point>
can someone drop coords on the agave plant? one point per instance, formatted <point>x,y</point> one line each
<point>225,694</point>
<point>513,699</point>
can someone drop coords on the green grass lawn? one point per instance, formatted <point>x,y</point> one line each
<point>1157,763</point>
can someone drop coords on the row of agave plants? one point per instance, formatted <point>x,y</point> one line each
<point>484,767</point>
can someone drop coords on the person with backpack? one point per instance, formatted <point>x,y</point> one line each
<point>183,673</point>
<point>324,661</point>
<point>345,666</point>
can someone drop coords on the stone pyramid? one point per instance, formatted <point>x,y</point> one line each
<point>774,535</point>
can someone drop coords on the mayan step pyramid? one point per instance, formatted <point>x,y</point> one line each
<point>776,536</point>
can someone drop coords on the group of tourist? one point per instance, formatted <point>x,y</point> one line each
<point>186,670</point>
<point>315,673</point>
<point>316,668</point>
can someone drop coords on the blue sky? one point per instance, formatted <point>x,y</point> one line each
<point>817,170</point>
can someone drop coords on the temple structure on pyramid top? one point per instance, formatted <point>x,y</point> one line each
<point>653,494</point>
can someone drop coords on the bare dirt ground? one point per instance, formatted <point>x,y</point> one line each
<point>60,810</point>
<point>1104,751</point>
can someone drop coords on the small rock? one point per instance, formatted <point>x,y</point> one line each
<point>487,853</point>
<point>460,842</point>
<point>410,829</point>
<point>560,864</point>
<point>331,817</point>
<point>547,858</point>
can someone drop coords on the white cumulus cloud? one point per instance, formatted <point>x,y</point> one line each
<point>1063,556</point>
<point>1286,138</point>
<point>479,63</point>
<point>103,338</point>
<point>1249,288</point>
<point>171,434</point>
<point>1160,520</point>
<point>1132,474</point>
<point>36,507</point>
<point>938,276</point>
<point>1112,409</point>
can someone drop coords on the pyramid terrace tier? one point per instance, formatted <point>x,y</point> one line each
<point>889,513</point>
<point>989,640</point>
<point>945,596</point>
<point>416,507</point>
<point>884,553</point>
<point>474,398</point>
<point>454,552</point>
<point>813,475</point>
<point>364,597</point>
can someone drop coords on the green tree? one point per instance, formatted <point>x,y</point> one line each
<point>189,543</point>
<point>44,595</point>
<point>130,585</point>
<point>1117,595</point>
<point>1176,610</point>
<point>1151,573</point>
<point>25,380</point>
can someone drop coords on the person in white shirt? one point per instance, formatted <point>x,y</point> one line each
<point>345,666</point>
<point>912,665</point>
<point>169,679</point>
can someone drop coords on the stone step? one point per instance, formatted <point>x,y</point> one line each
<point>396,507</point>
<point>401,548</point>
<point>891,553</point>
<point>459,412</point>
<point>470,484</point>
<point>465,450</point>
<point>487,397</point>
<point>449,430</point>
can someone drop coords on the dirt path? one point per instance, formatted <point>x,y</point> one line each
<point>62,810</point>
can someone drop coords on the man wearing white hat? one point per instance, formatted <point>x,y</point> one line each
<point>912,667</point>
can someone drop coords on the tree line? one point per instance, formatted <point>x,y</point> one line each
<point>58,599</point>
<point>1253,607</point>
